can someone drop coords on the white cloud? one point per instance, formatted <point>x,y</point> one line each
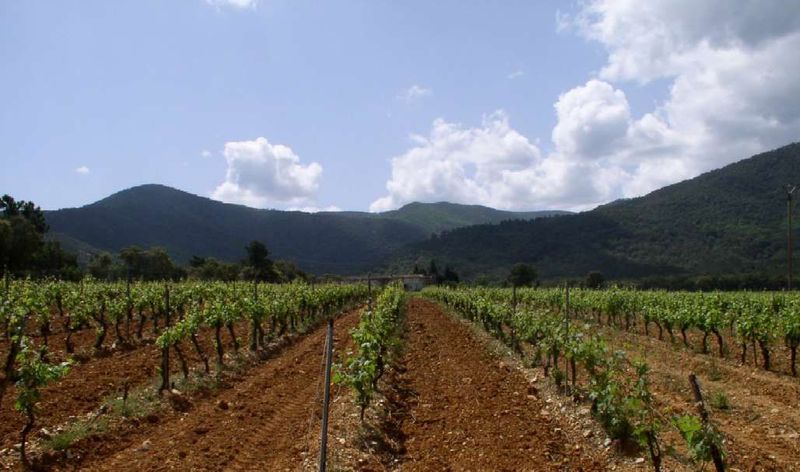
<point>314,209</point>
<point>491,165</point>
<point>731,72</point>
<point>83,170</point>
<point>516,74</point>
<point>237,4</point>
<point>260,174</point>
<point>591,119</point>
<point>414,93</point>
<point>205,153</point>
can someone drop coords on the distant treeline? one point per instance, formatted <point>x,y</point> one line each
<point>702,283</point>
<point>24,252</point>
<point>705,283</point>
<point>155,264</point>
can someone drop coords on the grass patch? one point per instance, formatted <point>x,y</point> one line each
<point>140,404</point>
<point>713,372</point>
<point>75,432</point>
<point>720,401</point>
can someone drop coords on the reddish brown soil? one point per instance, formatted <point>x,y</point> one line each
<point>761,427</point>
<point>95,378</point>
<point>258,424</point>
<point>469,414</point>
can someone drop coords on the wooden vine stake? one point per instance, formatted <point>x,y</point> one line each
<point>165,351</point>
<point>323,441</point>
<point>716,454</point>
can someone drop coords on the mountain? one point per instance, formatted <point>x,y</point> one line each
<point>187,225</point>
<point>731,220</point>
<point>442,216</point>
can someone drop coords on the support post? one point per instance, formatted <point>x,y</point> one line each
<point>165,351</point>
<point>566,338</point>
<point>789,200</point>
<point>369,293</point>
<point>716,455</point>
<point>323,441</point>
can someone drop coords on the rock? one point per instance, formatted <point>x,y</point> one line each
<point>202,430</point>
<point>588,433</point>
<point>639,460</point>
<point>146,445</point>
<point>179,402</point>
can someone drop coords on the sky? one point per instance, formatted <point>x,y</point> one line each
<point>372,104</point>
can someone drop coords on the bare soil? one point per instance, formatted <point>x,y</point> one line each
<point>762,424</point>
<point>260,423</point>
<point>95,377</point>
<point>454,401</point>
<point>469,411</point>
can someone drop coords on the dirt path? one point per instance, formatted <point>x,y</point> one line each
<point>468,412</point>
<point>259,424</point>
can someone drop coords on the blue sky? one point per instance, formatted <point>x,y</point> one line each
<point>371,104</point>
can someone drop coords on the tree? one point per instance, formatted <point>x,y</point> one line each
<point>259,263</point>
<point>133,258</point>
<point>23,249</point>
<point>450,276</point>
<point>288,271</point>
<point>197,261</point>
<point>212,269</point>
<point>594,279</point>
<point>522,275</point>
<point>433,271</point>
<point>152,264</point>
<point>52,261</point>
<point>101,266</point>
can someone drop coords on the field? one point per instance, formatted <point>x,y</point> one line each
<point>213,376</point>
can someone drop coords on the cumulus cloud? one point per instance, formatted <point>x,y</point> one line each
<point>83,170</point>
<point>492,164</point>
<point>414,93</point>
<point>314,209</point>
<point>205,153</point>
<point>236,4</point>
<point>260,174</point>
<point>591,120</point>
<point>513,75</point>
<point>731,70</point>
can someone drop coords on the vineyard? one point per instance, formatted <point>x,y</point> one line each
<point>89,350</point>
<point>619,352</point>
<point>212,376</point>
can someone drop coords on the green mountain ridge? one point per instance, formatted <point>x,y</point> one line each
<point>728,221</point>
<point>186,225</point>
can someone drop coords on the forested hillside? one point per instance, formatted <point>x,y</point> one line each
<point>186,225</point>
<point>731,220</point>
